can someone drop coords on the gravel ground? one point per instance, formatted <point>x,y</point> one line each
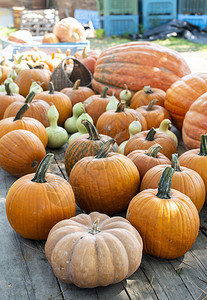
<point>197,61</point>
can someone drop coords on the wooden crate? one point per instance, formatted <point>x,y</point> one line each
<point>39,21</point>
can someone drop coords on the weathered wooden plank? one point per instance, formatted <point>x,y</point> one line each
<point>199,251</point>
<point>60,158</point>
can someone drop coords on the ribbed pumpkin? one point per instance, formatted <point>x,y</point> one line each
<point>37,109</point>
<point>182,94</point>
<point>194,124</point>
<point>85,145</point>
<point>166,219</point>
<point>6,98</point>
<point>146,95</point>
<point>25,78</point>
<point>49,38</point>
<point>78,93</point>
<point>147,159</point>
<point>20,152</point>
<point>95,105</point>
<point>93,250</point>
<point>26,123</point>
<point>106,182</point>
<point>196,159</point>
<point>138,64</point>
<point>145,139</point>
<point>115,123</point>
<point>185,180</point>
<point>60,100</point>
<point>153,114</point>
<point>36,202</point>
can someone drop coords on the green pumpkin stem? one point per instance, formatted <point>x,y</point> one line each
<point>203,145</point>
<point>21,112</point>
<point>151,104</point>
<point>151,134</point>
<point>8,91</point>
<point>153,150</point>
<point>92,131</point>
<point>76,84</point>
<point>42,169</point>
<point>104,92</point>
<point>51,88</point>
<point>95,229</point>
<point>175,163</point>
<point>105,149</point>
<point>30,97</point>
<point>164,185</point>
<point>147,89</point>
<point>30,67</point>
<point>120,107</point>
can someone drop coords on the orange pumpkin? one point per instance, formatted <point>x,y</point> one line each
<point>166,219</point>
<point>20,152</point>
<point>4,72</point>
<point>50,38</point>
<point>50,198</point>
<point>88,58</point>
<point>146,95</point>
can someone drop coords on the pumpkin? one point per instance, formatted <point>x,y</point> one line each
<point>20,152</point>
<point>50,38</point>
<point>105,182</point>
<point>95,105</point>
<point>93,250</point>
<point>153,114</point>
<point>78,93</point>
<point>185,180</point>
<point>146,95</point>
<point>60,100</point>
<point>182,94</point>
<point>37,109</point>
<point>69,30</point>
<point>25,78</point>
<point>36,202</point>
<point>4,72</point>
<point>194,124</point>
<point>88,59</point>
<point>26,123</point>
<point>196,159</point>
<point>146,159</point>
<point>145,139</point>
<point>138,64</point>
<point>166,219</point>
<point>85,145</point>
<point>6,98</point>
<point>115,123</point>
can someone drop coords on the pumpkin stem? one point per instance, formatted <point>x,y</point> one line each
<point>19,59</point>
<point>175,162</point>
<point>21,112</point>
<point>147,89</point>
<point>84,54</point>
<point>8,91</point>
<point>153,150</point>
<point>151,104</point>
<point>95,229</point>
<point>76,84</point>
<point>164,185</point>
<point>203,146</point>
<point>104,92</point>
<point>120,107</point>
<point>105,149</point>
<point>30,97</point>
<point>51,88</point>
<point>42,169</point>
<point>30,67</point>
<point>92,131</point>
<point>151,134</point>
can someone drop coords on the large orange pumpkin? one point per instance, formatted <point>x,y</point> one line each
<point>36,202</point>
<point>195,124</point>
<point>138,64</point>
<point>182,94</point>
<point>166,219</point>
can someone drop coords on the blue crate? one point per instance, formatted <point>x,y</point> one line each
<point>119,24</point>
<point>156,13</point>
<point>198,20</point>
<point>192,7</point>
<point>84,16</point>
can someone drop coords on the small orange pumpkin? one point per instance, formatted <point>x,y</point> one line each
<point>147,94</point>
<point>50,38</point>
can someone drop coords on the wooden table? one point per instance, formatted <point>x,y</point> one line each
<point>26,274</point>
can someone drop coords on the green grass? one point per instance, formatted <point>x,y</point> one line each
<point>5,31</point>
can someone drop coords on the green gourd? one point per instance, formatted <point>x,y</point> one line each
<point>35,87</point>
<point>20,65</point>
<point>70,123</point>
<point>134,128</point>
<point>164,127</point>
<point>81,128</point>
<point>12,74</point>
<point>125,95</point>
<point>112,103</point>
<point>57,136</point>
<point>12,85</point>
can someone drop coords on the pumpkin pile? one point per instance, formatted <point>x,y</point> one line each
<point>120,155</point>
